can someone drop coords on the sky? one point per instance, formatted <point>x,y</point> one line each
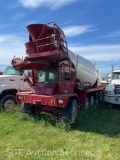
<point>91,27</point>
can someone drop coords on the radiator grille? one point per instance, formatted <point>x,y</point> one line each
<point>117,89</point>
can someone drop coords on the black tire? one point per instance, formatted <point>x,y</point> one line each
<point>86,104</point>
<point>101,97</point>
<point>26,108</point>
<point>35,111</point>
<point>8,102</point>
<point>70,113</point>
<point>92,100</point>
<point>108,105</point>
<point>97,98</point>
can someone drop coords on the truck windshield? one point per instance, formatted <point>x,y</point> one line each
<point>116,75</point>
<point>49,75</point>
<point>11,71</point>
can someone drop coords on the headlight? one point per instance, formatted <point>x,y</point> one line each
<point>19,97</point>
<point>60,101</point>
<point>109,92</point>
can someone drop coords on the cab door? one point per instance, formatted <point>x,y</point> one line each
<point>66,81</point>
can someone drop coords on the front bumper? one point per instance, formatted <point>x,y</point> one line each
<point>113,99</point>
<point>42,100</point>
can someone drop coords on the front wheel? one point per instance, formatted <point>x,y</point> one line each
<point>26,108</point>
<point>108,105</point>
<point>8,102</point>
<point>71,111</point>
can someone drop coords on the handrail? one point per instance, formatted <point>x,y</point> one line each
<point>49,35</point>
<point>60,39</point>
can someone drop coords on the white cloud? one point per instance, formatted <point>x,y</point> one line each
<point>111,35</point>
<point>3,26</point>
<point>18,16</point>
<point>98,52</point>
<point>77,30</point>
<point>11,40</point>
<point>105,55</point>
<point>52,4</point>
<point>102,55</point>
<point>10,46</point>
<point>7,54</point>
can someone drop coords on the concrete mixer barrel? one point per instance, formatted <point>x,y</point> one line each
<point>86,71</point>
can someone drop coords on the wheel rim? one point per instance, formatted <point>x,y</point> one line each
<point>9,104</point>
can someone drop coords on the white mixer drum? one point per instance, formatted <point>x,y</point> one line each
<point>86,71</point>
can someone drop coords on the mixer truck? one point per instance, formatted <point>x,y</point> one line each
<point>62,81</point>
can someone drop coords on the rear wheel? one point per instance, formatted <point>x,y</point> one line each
<point>92,100</point>
<point>86,105</point>
<point>8,102</point>
<point>71,111</point>
<point>97,99</point>
<point>101,96</point>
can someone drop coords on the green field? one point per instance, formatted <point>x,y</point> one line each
<point>96,136</point>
